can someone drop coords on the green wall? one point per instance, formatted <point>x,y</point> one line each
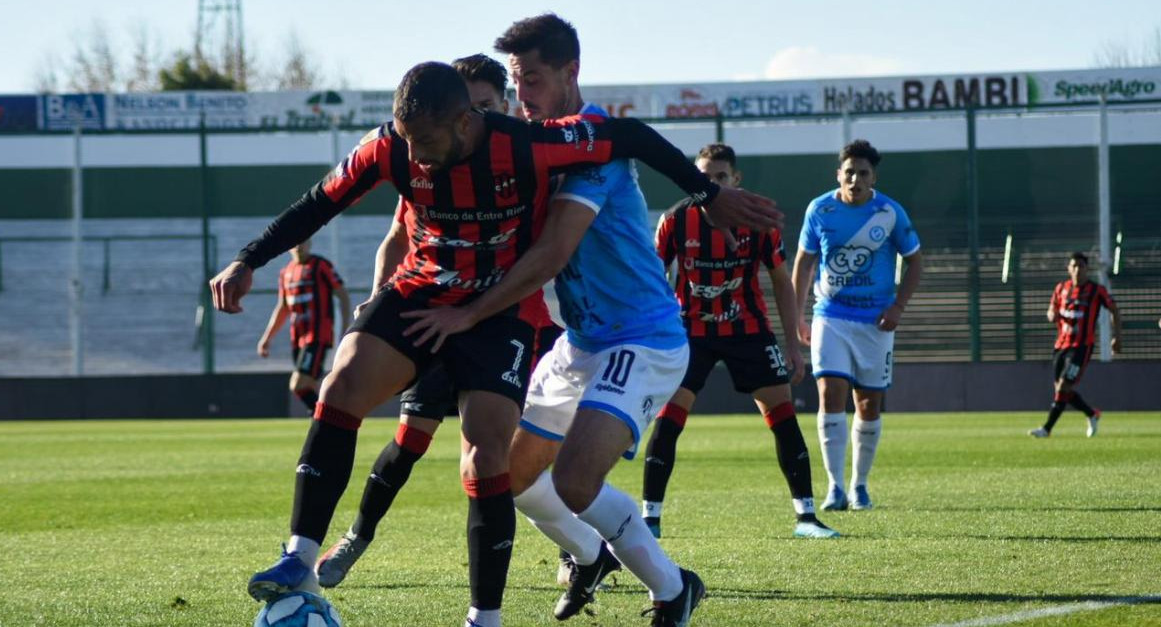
<point>1035,192</point>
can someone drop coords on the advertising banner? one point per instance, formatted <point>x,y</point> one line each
<point>62,112</point>
<point>18,113</point>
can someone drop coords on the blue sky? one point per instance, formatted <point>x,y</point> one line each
<point>369,44</point>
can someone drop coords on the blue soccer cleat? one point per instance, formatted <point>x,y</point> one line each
<point>813,529</point>
<point>288,574</point>
<point>862,499</point>
<point>836,500</point>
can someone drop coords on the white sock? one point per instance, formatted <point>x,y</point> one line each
<point>803,506</point>
<point>865,440</point>
<point>651,509</point>
<point>306,548</point>
<point>832,434</point>
<point>544,509</point>
<point>482,618</point>
<point>615,517</point>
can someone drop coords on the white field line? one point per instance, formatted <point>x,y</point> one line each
<point>1055,610</point>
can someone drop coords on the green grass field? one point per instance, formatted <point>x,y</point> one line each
<point>161,523</point>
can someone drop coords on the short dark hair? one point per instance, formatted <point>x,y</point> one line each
<point>554,37</point>
<point>1079,257</point>
<point>860,149</point>
<point>431,89</point>
<point>481,67</point>
<point>719,152</point>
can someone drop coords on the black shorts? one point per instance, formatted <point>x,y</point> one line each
<point>754,362</point>
<point>309,359</point>
<point>434,396</point>
<point>493,356</point>
<point>1069,363</point>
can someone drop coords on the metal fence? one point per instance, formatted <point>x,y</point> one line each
<point>107,296</point>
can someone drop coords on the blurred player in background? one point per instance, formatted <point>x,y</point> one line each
<point>423,405</point>
<point>305,290</point>
<point>1075,307</point>
<point>724,311</point>
<point>852,235</point>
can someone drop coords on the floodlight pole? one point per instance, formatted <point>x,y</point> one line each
<point>78,285</point>
<point>1104,231</point>
<point>207,255</point>
<point>973,225</point>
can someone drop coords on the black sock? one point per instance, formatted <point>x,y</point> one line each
<point>324,468</point>
<point>793,458</point>
<point>388,475</point>
<point>491,530</point>
<point>1078,402</point>
<point>308,398</point>
<point>1054,414</point>
<point>660,455</point>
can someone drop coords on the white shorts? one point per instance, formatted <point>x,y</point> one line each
<point>856,351</point>
<point>629,381</point>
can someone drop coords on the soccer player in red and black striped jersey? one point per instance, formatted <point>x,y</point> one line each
<point>307,287</point>
<point>424,405</point>
<point>724,311</point>
<point>480,185</point>
<point>1075,308</point>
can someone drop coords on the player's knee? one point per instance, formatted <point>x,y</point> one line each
<point>483,461</point>
<point>577,491</point>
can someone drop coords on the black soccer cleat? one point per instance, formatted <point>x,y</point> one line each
<point>583,582</point>
<point>676,613</point>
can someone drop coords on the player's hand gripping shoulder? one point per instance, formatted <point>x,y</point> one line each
<point>230,286</point>
<point>889,319</point>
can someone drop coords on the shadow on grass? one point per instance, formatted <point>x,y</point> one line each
<point>953,597</point>
<point>1024,508</point>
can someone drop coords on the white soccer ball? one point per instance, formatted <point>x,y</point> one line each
<point>298,609</point>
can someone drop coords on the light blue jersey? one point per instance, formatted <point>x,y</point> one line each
<point>856,246</point>
<point>613,290</point>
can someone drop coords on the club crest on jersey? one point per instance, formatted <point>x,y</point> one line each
<point>505,185</point>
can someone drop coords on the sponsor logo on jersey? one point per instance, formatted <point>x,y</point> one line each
<point>500,240</point>
<point>713,291</point>
<point>729,315</point>
<point>692,243</point>
<point>421,183</point>
<point>452,278</point>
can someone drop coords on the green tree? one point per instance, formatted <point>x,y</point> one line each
<point>190,73</point>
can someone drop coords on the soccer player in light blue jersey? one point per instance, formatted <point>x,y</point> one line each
<point>623,356</point>
<point>852,235</point>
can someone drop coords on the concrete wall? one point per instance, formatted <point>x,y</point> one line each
<point>1122,386</point>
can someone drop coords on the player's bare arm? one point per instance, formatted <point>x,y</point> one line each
<point>564,227</point>
<point>1115,315</point>
<point>277,319</point>
<point>804,264</point>
<point>344,305</point>
<point>787,302</point>
<point>390,254</point>
<point>889,319</point>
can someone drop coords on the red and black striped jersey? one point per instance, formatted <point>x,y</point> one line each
<point>307,288</point>
<point>1077,309</point>
<point>532,309</point>
<point>718,288</point>
<point>470,222</point>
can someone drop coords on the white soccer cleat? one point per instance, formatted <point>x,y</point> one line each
<point>1038,432</point>
<point>1093,422</point>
